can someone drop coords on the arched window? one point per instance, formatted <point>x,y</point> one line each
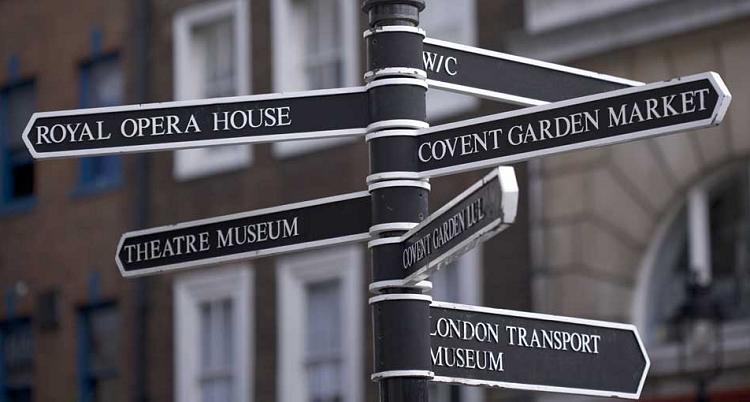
<point>707,239</point>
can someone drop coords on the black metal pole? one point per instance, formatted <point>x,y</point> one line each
<point>141,30</point>
<point>396,85</point>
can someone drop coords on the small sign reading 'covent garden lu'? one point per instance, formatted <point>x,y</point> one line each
<point>480,212</point>
<point>617,116</point>
<point>512,349</point>
<point>247,235</point>
<point>198,123</point>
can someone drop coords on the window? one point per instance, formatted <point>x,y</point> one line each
<point>99,353</point>
<point>323,352</point>
<point>315,46</point>
<point>707,238</point>
<point>17,359</point>
<point>320,326</point>
<point>458,283</point>
<point>213,335</point>
<point>211,48</point>
<point>16,107</point>
<point>441,19</point>
<point>101,85</point>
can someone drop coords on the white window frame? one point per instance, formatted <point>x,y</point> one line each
<point>190,291</point>
<point>201,162</point>
<point>285,44</point>
<point>294,273</point>
<point>469,268</point>
<point>442,104</point>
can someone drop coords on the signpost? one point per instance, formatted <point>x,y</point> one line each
<point>197,123</point>
<point>693,102</point>
<point>479,213</point>
<point>512,349</point>
<point>247,235</point>
<point>504,77</point>
<point>416,340</point>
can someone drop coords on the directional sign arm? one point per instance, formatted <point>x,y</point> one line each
<point>508,78</point>
<point>326,221</point>
<point>480,212</point>
<point>693,102</point>
<point>198,123</point>
<point>475,345</point>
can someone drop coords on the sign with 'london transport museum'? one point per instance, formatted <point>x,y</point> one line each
<point>475,345</point>
<point>686,103</point>
<point>198,123</point>
<point>480,212</point>
<point>326,221</point>
<point>508,78</point>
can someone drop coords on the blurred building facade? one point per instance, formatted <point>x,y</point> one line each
<point>607,233</point>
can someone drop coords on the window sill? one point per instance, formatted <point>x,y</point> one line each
<point>84,190</point>
<point>17,207</point>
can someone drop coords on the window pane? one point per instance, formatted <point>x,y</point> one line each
<point>205,336</point>
<point>100,370</point>
<point>323,344</point>
<point>20,101</point>
<point>215,44</point>
<point>227,332</point>
<point>214,60</point>
<point>21,174</point>
<point>216,342</point>
<point>324,59</point>
<point>104,336</point>
<point>17,105</point>
<point>105,86</point>
<point>102,86</point>
<point>18,359</point>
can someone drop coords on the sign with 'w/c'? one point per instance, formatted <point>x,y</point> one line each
<point>507,78</point>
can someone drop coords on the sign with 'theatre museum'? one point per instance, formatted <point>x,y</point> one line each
<point>246,235</point>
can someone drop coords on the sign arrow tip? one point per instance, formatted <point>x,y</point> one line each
<point>725,97</point>
<point>25,135</point>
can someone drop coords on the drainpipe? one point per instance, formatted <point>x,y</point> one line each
<point>141,20</point>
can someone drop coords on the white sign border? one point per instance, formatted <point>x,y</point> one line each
<point>246,255</point>
<point>716,117</point>
<point>127,149</point>
<point>548,317</point>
